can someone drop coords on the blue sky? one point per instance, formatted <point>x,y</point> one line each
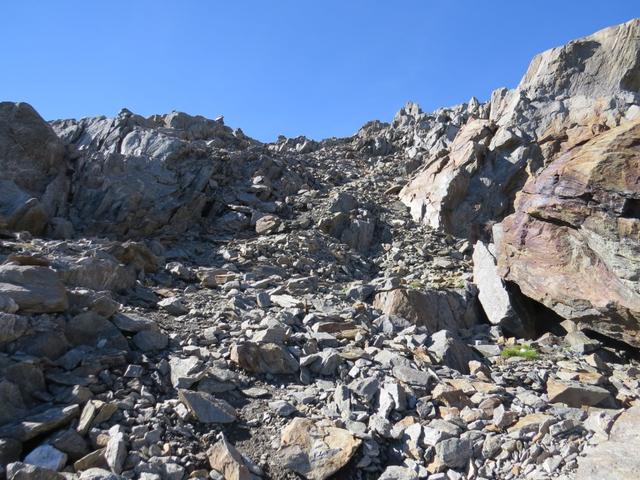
<point>315,68</point>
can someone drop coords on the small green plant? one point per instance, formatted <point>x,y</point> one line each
<point>524,351</point>
<point>416,284</point>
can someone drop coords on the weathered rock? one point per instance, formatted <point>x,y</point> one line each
<point>185,371</point>
<point>576,394</point>
<point>22,471</point>
<point>496,300</point>
<point>99,272</point>
<point>451,351</point>
<point>115,453</point>
<point>94,330</point>
<point>617,458</point>
<point>12,327</point>
<point>33,181</point>
<point>434,309</point>
<point>40,423</point>
<point>573,244</point>
<point>47,457</point>
<point>314,450</point>
<point>452,453</point>
<point>8,304</point>
<point>206,408</point>
<point>264,358</point>
<point>150,340</point>
<point>35,289</point>
<point>267,224</point>
<point>580,343</point>
<point>10,451</point>
<point>227,460</point>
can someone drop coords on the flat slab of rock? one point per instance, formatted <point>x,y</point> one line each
<point>576,394</point>
<point>617,458</point>
<point>35,289</point>
<point>316,451</point>
<point>206,408</point>
<point>41,423</point>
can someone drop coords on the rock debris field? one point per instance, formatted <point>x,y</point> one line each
<point>452,295</point>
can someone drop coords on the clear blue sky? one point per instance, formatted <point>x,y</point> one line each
<point>319,68</point>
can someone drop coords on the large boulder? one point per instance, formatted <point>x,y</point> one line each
<point>33,170</point>
<point>433,309</point>
<point>573,242</point>
<point>35,289</point>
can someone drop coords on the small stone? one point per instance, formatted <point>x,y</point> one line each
<point>282,408</point>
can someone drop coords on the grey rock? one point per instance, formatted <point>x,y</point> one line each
<point>47,457</point>
<point>618,454</point>
<point>451,351</point>
<point>206,408</point>
<point>150,340</point>
<point>34,289</point>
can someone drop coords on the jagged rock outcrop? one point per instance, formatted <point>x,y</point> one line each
<point>567,94</point>
<point>573,243</point>
<point>135,176</point>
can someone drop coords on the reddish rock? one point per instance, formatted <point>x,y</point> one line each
<point>573,242</point>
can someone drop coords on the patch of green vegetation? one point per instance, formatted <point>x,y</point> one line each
<point>524,351</point>
<point>416,284</point>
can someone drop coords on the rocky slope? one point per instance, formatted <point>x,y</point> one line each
<point>450,295</point>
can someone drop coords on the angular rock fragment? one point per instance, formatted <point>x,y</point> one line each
<point>225,459</point>
<point>206,408</point>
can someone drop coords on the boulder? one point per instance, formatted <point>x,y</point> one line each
<point>494,296</point>
<point>225,459</point>
<point>91,329</point>
<point>206,408</point>
<point>33,288</point>
<point>33,170</point>
<point>573,242</point>
<point>433,309</point>
<point>617,458</point>
<point>99,272</point>
<point>264,358</point>
<point>576,394</point>
<point>48,457</point>
<point>451,351</point>
<point>314,450</point>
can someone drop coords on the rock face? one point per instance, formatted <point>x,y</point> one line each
<point>566,94</point>
<point>183,162</point>
<point>574,241</point>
